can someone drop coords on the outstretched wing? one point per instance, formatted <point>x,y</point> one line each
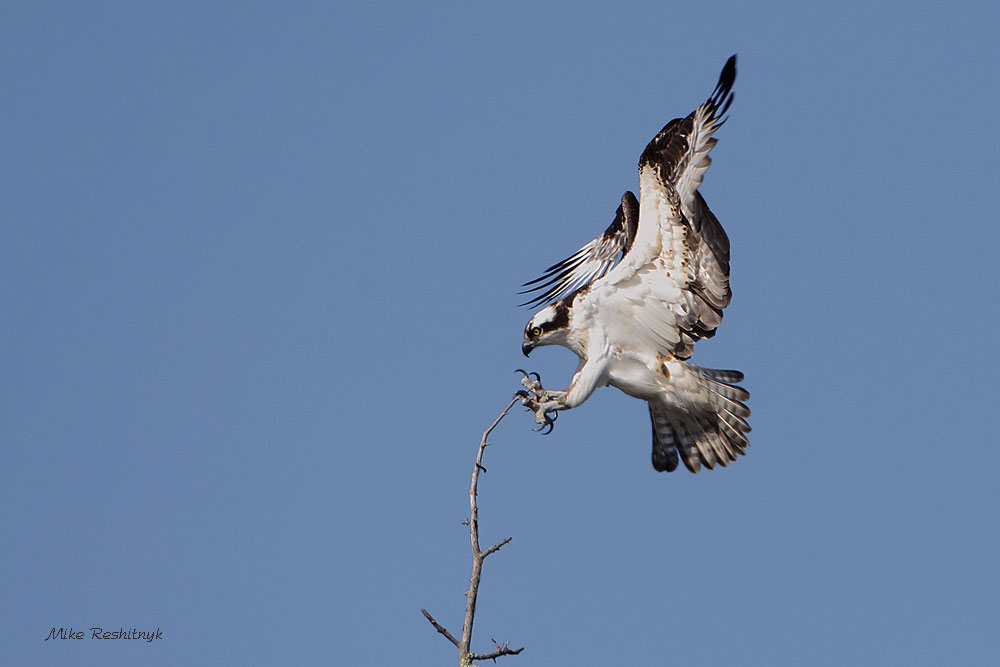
<point>677,157</point>
<point>671,287</point>
<point>592,261</point>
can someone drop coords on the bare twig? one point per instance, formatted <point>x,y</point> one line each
<point>465,656</point>
<point>438,627</point>
<point>501,650</point>
<point>496,547</point>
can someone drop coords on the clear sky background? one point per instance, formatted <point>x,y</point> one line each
<point>259,273</point>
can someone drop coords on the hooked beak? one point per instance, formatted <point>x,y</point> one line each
<point>526,347</point>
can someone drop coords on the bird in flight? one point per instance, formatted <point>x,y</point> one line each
<point>633,302</point>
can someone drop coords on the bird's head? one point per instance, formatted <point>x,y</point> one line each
<point>549,326</point>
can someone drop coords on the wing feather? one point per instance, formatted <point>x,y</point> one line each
<point>591,262</point>
<point>680,254</point>
<point>679,153</point>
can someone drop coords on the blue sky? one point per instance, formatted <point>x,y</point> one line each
<point>259,271</point>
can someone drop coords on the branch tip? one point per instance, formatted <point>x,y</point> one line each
<point>500,652</point>
<point>496,547</point>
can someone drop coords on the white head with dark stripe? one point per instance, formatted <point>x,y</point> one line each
<point>549,326</point>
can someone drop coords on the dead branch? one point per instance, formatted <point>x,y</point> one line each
<point>465,656</point>
<point>501,650</point>
<point>438,627</point>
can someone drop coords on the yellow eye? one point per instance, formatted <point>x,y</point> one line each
<point>536,332</point>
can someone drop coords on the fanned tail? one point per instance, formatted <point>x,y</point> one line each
<point>711,429</point>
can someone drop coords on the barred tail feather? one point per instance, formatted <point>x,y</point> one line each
<point>703,433</point>
<point>665,442</point>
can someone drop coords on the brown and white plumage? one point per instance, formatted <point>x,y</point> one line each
<point>633,324</point>
<point>590,262</point>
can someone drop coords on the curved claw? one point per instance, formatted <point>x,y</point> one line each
<point>550,420</point>
<point>538,378</point>
<point>520,393</point>
<point>522,372</point>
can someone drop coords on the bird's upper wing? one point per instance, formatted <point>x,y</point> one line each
<point>592,261</point>
<point>670,288</point>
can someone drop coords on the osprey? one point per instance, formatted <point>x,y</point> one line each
<point>633,324</point>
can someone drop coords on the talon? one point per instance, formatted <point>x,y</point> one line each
<point>546,418</point>
<point>520,393</point>
<point>548,422</point>
<point>532,382</point>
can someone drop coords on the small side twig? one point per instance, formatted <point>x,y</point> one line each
<point>496,547</point>
<point>501,651</point>
<point>439,627</point>
<point>465,655</point>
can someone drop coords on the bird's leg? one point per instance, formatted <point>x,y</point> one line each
<point>545,404</point>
